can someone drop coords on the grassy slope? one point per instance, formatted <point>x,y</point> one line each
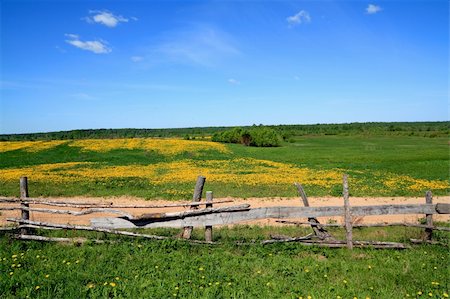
<point>169,269</point>
<point>367,158</point>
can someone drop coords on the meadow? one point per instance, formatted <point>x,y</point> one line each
<point>175,269</point>
<point>167,168</point>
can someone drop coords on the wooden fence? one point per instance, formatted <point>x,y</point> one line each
<point>212,215</point>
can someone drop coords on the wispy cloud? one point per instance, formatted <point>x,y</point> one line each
<point>106,18</point>
<point>199,45</point>
<point>136,58</point>
<point>95,46</point>
<point>299,18</point>
<point>83,96</point>
<point>373,9</point>
<point>233,81</point>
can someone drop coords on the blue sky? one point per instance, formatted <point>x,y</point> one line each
<point>162,64</point>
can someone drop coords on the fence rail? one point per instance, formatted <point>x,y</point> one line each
<point>211,216</point>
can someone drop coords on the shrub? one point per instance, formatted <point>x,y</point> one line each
<point>256,136</point>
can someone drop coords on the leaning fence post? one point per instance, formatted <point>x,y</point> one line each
<point>208,228</point>
<point>23,204</point>
<point>429,217</point>
<point>187,231</point>
<point>347,215</point>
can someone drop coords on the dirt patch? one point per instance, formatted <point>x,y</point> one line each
<point>254,203</point>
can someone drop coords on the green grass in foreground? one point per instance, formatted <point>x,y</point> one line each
<point>170,269</point>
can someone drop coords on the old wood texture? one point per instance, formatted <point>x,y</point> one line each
<point>24,205</point>
<point>320,231</point>
<point>225,218</point>
<point>190,213</point>
<point>83,205</point>
<point>208,228</point>
<point>347,214</point>
<point>70,212</point>
<point>187,231</point>
<point>340,244</point>
<point>359,225</point>
<point>443,208</point>
<point>429,231</point>
<point>45,225</point>
<point>51,239</point>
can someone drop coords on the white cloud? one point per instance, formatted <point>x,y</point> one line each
<point>136,58</point>
<point>96,46</point>
<point>106,18</point>
<point>200,45</point>
<point>373,9</point>
<point>233,81</point>
<point>301,17</point>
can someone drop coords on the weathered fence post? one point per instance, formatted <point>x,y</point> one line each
<point>319,231</point>
<point>208,228</point>
<point>429,217</point>
<point>187,231</point>
<point>347,215</point>
<point>23,196</point>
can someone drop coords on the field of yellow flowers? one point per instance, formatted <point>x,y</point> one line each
<point>167,168</point>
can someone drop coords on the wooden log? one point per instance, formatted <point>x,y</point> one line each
<point>421,241</point>
<point>429,217</point>
<point>383,224</point>
<point>320,231</point>
<point>73,213</point>
<point>281,240</point>
<point>190,213</point>
<point>187,231</point>
<point>23,195</point>
<point>443,208</point>
<point>50,239</point>
<point>108,205</point>
<point>208,228</point>
<point>226,218</point>
<point>347,215</point>
<point>45,225</point>
<point>340,244</point>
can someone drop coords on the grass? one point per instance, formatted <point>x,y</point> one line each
<point>169,269</point>
<point>377,166</point>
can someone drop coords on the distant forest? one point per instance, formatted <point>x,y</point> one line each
<point>425,129</point>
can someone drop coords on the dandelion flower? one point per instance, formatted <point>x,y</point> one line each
<point>369,267</point>
<point>47,276</point>
<point>14,256</point>
<point>306,270</point>
<point>419,293</point>
<point>268,284</point>
<point>11,273</point>
<point>445,295</point>
<point>176,288</point>
<point>113,284</point>
<point>344,281</point>
<point>309,297</point>
<point>117,278</point>
<point>37,287</point>
<point>430,294</point>
<point>200,269</point>
<point>229,283</point>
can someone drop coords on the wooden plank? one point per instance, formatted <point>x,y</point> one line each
<point>429,217</point>
<point>23,195</point>
<point>225,218</point>
<point>45,225</point>
<point>198,189</point>
<point>70,212</point>
<point>347,215</point>
<point>110,205</point>
<point>443,208</point>
<point>208,228</point>
<point>190,213</point>
<point>319,231</point>
<point>381,224</point>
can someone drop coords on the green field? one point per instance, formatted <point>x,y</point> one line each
<point>174,269</point>
<point>377,166</point>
